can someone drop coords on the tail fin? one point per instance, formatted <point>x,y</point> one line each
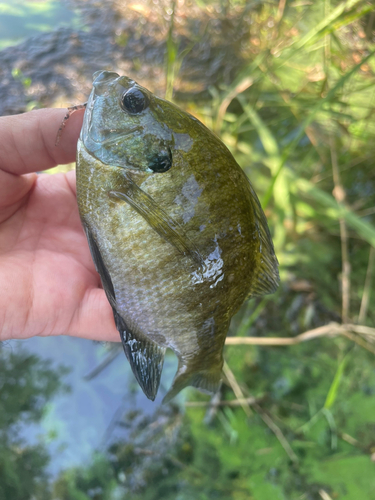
<point>208,380</point>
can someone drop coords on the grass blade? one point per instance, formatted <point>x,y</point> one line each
<point>333,390</point>
<point>336,210</point>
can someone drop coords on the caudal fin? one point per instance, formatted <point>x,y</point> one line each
<point>208,381</point>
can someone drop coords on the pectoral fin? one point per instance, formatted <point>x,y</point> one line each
<point>145,357</point>
<point>157,218</point>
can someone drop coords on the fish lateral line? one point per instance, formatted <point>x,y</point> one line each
<point>169,229</point>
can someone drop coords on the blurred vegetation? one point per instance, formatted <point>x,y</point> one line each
<point>291,422</point>
<point>26,385</point>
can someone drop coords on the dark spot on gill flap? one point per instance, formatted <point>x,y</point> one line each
<point>145,357</point>
<point>160,221</point>
<point>267,271</point>
<point>100,267</point>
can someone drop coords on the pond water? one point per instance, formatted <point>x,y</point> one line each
<point>77,423</point>
<point>20,19</point>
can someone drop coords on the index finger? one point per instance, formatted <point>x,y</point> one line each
<point>27,141</point>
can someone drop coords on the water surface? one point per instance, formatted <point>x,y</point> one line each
<point>20,19</point>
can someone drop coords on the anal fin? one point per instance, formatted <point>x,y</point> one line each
<point>145,357</point>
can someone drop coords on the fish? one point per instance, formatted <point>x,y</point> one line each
<point>175,229</point>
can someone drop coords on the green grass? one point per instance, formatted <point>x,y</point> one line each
<point>303,99</point>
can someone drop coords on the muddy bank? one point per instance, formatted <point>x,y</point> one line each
<point>130,39</point>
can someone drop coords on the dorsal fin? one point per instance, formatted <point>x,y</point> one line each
<point>267,274</point>
<point>145,357</point>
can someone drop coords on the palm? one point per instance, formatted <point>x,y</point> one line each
<point>45,265</point>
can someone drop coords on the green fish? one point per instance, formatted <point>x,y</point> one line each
<point>175,229</point>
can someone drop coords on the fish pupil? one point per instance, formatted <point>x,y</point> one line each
<point>161,162</point>
<point>133,101</point>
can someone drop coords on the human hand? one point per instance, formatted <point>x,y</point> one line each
<point>48,282</point>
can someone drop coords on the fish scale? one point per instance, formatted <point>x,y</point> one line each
<point>175,229</point>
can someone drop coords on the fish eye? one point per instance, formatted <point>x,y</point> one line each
<point>134,101</point>
<point>161,162</point>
